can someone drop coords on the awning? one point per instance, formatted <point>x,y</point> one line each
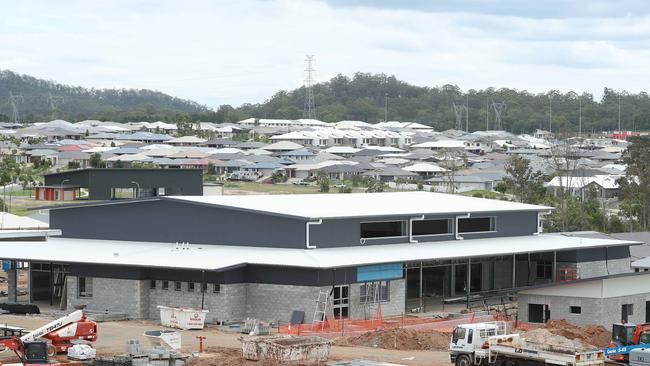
<point>221,257</point>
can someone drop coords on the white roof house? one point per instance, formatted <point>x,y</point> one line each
<point>14,222</point>
<point>425,168</point>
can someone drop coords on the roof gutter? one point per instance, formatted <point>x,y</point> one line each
<point>456,234</point>
<point>411,240</point>
<point>307,225</point>
<point>540,222</point>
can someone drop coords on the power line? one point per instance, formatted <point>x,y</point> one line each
<point>499,108</point>
<point>460,110</point>
<point>310,107</point>
<point>54,100</point>
<point>14,100</point>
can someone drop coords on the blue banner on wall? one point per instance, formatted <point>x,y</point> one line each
<point>379,272</point>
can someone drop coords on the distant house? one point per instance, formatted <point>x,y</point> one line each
<point>391,174</point>
<point>606,186</point>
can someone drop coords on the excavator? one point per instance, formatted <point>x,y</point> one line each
<point>626,337</point>
<point>32,347</point>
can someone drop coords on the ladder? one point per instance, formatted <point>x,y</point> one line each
<point>321,308</point>
<point>372,297</point>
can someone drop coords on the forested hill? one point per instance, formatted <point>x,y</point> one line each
<point>361,97</point>
<point>43,100</point>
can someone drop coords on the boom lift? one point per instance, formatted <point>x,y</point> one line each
<point>30,347</point>
<point>626,337</point>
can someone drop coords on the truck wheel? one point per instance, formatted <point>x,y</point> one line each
<point>463,360</point>
<point>51,351</point>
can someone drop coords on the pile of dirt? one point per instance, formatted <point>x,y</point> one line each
<point>399,339</point>
<point>596,335</point>
<point>214,356</point>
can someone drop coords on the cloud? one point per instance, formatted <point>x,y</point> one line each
<point>244,51</point>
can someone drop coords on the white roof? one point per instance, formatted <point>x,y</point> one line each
<point>215,257</point>
<point>342,150</point>
<point>628,285</point>
<point>425,168</point>
<point>11,221</point>
<point>361,204</point>
<point>605,181</point>
<point>283,145</point>
<point>186,140</point>
<point>440,144</point>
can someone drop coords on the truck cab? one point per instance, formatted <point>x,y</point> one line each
<point>468,341</point>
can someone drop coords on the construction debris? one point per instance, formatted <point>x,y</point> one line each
<point>597,335</point>
<point>282,348</point>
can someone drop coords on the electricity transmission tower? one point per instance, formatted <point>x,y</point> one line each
<point>460,110</point>
<point>14,100</point>
<point>310,107</point>
<point>54,100</point>
<point>499,108</point>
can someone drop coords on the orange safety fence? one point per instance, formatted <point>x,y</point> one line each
<point>340,326</point>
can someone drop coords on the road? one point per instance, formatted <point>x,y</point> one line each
<point>114,335</point>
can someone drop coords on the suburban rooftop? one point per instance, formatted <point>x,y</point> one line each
<point>331,206</point>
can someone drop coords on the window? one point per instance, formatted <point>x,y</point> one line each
<point>476,224</point>
<point>575,309</point>
<point>470,336</point>
<point>165,285</point>
<point>459,334</point>
<point>190,286</point>
<point>431,227</point>
<point>373,292</point>
<point>178,285</point>
<point>382,229</point>
<point>152,284</point>
<point>216,288</point>
<point>85,287</point>
<point>544,270</point>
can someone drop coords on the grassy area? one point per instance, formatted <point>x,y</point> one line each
<point>21,211</point>
<point>486,194</point>
<point>20,193</point>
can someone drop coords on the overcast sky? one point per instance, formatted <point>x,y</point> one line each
<point>218,52</point>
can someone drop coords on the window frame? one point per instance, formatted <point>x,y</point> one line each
<point>404,229</point>
<point>216,288</point>
<point>153,284</point>
<point>381,298</point>
<point>575,309</point>
<point>178,286</point>
<point>165,285</point>
<point>493,225</point>
<point>191,286</point>
<point>86,284</point>
<point>450,227</point>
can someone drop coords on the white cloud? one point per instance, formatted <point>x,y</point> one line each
<point>244,51</point>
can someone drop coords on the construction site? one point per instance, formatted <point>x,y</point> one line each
<point>399,278</point>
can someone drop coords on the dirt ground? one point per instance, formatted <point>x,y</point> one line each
<point>595,335</point>
<point>223,347</point>
<point>400,339</point>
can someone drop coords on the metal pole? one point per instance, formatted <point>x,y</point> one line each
<point>619,113</point>
<point>514,270</point>
<point>550,112</point>
<point>487,114</point>
<point>579,116</point>
<point>466,113</point>
<point>421,297</point>
<point>469,280</point>
<point>386,107</point>
<point>554,277</point>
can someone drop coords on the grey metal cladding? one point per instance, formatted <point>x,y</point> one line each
<point>186,182</point>
<point>173,221</point>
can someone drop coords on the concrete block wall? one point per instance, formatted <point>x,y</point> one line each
<point>593,311</point>
<point>395,305</point>
<point>604,268</point>
<point>271,302</point>
<point>226,305</point>
<point>111,295</point>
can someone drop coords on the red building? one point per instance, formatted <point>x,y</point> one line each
<point>56,193</point>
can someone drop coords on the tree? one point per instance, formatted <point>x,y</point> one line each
<point>96,161</point>
<point>527,186</point>
<point>323,182</point>
<point>452,160</point>
<point>73,164</point>
<point>564,162</point>
<point>634,188</point>
<point>373,185</point>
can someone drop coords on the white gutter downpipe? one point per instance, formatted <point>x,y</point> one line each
<point>466,216</point>
<point>540,226</point>
<point>309,223</point>
<point>411,240</point>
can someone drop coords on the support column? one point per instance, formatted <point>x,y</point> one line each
<point>468,283</point>
<point>514,270</point>
<point>12,282</point>
<point>554,276</point>
<point>421,296</point>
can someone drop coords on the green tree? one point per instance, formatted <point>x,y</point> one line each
<point>72,165</point>
<point>527,186</point>
<point>323,182</point>
<point>96,161</point>
<point>634,188</point>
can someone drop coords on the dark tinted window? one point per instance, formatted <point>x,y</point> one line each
<point>576,310</point>
<point>431,227</point>
<point>382,229</point>
<point>476,224</point>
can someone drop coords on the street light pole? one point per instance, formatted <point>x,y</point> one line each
<point>386,107</point>
<point>579,116</point>
<point>550,112</point>
<point>137,192</point>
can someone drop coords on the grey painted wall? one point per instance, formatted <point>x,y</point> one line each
<point>187,182</point>
<point>172,221</point>
<point>593,311</point>
<point>166,220</point>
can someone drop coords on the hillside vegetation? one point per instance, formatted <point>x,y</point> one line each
<point>360,97</point>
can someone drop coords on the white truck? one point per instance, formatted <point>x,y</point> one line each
<point>490,344</point>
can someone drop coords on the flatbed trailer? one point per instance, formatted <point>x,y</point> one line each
<point>490,344</point>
